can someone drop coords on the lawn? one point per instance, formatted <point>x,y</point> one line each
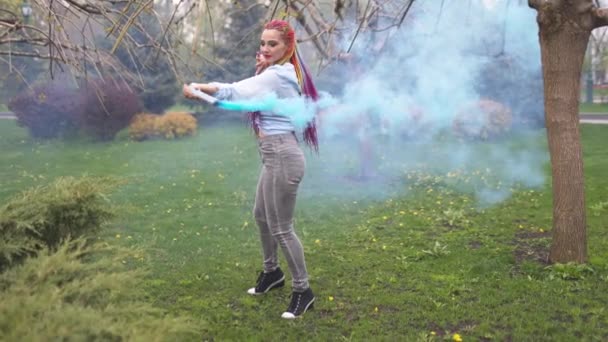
<point>413,257</point>
<point>593,108</point>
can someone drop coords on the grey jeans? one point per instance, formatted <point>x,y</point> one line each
<point>283,167</point>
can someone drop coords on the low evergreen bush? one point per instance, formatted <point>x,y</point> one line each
<point>83,292</point>
<point>47,215</point>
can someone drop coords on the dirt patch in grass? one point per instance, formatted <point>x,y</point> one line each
<point>529,247</point>
<point>475,244</point>
<point>449,329</point>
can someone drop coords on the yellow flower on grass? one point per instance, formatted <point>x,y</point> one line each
<point>456,338</point>
<point>331,299</point>
<point>118,236</point>
<point>433,333</point>
<point>317,241</point>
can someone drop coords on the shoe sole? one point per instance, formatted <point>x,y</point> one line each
<point>275,285</point>
<point>309,306</point>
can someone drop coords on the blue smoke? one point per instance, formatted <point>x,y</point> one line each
<point>406,89</point>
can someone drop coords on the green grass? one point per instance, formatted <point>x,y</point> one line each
<point>420,263</point>
<point>181,108</point>
<point>593,108</point>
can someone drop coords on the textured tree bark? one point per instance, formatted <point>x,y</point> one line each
<point>563,40</point>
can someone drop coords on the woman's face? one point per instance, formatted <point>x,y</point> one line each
<point>272,46</point>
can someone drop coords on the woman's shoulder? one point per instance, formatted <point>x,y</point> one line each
<point>284,66</point>
<point>286,70</point>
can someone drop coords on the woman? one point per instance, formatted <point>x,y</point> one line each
<point>279,71</point>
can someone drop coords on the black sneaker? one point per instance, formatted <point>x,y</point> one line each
<point>300,303</point>
<point>267,282</point>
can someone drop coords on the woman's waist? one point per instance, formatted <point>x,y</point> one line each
<point>279,144</point>
<point>274,124</point>
<point>276,137</point>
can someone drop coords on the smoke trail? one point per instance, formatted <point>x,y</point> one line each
<point>444,93</point>
<point>405,92</point>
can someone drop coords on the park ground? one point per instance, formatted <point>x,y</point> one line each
<point>422,262</point>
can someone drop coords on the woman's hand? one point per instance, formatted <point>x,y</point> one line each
<point>187,93</point>
<point>260,63</point>
<point>204,87</point>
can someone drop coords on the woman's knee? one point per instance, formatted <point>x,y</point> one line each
<point>284,233</point>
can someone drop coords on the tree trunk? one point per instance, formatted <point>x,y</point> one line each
<point>563,48</point>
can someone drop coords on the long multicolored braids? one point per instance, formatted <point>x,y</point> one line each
<point>304,80</point>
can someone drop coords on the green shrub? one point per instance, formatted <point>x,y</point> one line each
<point>82,292</point>
<point>47,215</point>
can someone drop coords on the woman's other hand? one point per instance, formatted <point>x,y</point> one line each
<point>260,63</point>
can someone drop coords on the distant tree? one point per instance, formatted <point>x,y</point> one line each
<point>157,84</point>
<point>238,42</point>
<point>17,75</point>
<point>235,46</point>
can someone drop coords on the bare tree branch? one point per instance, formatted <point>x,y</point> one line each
<point>59,28</point>
<point>405,12</point>
<point>309,29</point>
